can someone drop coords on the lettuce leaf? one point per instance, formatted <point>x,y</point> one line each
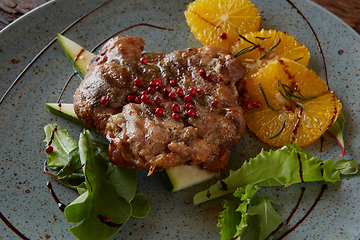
<point>337,131</point>
<point>106,191</point>
<point>283,167</point>
<point>269,219</point>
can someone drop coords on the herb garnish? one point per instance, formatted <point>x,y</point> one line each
<point>277,110</point>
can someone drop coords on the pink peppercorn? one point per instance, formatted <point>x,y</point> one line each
<point>172,83</point>
<point>257,104</point>
<point>145,98</point>
<point>171,95</point>
<point>188,106</point>
<point>130,98</point>
<point>223,36</point>
<point>49,149</point>
<point>202,73</point>
<point>249,106</point>
<point>105,100</point>
<point>175,107</point>
<point>157,101</point>
<point>192,91</point>
<point>179,92</point>
<point>159,111</point>
<point>166,91</point>
<point>191,113</point>
<point>175,116</point>
<point>143,60</point>
<point>151,90</point>
<point>214,103</point>
<point>137,82</point>
<point>187,98</point>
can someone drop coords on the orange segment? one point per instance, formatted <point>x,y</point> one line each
<point>303,125</point>
<point>287,48</point>
<point>208,19</point>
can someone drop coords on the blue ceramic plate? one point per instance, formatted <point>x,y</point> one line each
<point>24,198</point>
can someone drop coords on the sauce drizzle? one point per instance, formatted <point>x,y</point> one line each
<point>317,40</point>
<point>14,229</point>
<point>60,204</point>
<point>323,188</point>
<point>46,47</point>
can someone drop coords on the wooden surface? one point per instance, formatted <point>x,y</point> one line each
<point>347,10</point>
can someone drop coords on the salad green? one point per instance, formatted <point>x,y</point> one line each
<point>282,167</point>
<point>107,193</point>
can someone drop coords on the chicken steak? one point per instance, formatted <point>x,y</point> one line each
<point>160,110</point>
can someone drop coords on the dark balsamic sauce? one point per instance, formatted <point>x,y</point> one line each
<point>316,38</point>
<point>46,47</point>
<point>14,229</point>
<point>300,168</point>
<point>60,204</point>
<point>52,135</point>
<point>65,86</point>
<point>296,207</point>
<point>323,188</point>
<point>224,186</point>
<point>17,79</point>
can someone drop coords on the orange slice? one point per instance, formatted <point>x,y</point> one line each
<point>214,22</point>
<point>303,125</point>
<point>269,49</point>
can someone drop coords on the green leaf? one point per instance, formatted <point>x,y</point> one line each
<point>246,195</point>
<point>101,198</point>
<point>269,219</point>
<point>140,205</point>
<point>347,167</point>
<point>337,131</point>
<point>274,168</point>
<point>62,144</point>
<point>73,165</point>
<point>229,218</point>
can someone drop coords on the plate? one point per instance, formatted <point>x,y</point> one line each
<point>25,200</point>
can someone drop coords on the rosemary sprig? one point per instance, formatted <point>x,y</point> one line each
<point>250,48</point>
<point>277,110</point>
<point>245,50</point>
<point>289,94</point>
<point>266,100</point>
<point>272,48</point>
<point>298,59</point>
<point>287,97</point>
<point>282,127</point>
<point>244,38</point>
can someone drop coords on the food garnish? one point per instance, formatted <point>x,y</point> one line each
<point>256,49</point>
<point>213,22</point>
<point>107,193</point>
<point>301,99</point>
<point>283,167</point>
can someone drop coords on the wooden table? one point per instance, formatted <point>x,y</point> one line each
<point>347,10</point>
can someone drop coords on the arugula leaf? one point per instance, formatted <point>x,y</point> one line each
<point>101,198</point>
<point>62,144</point>
<point>276,168</point>
<point>229,218</point>
<point>140,206</point>
<point>337,131</point>
<point>269,219</point>
<point>107,192</point>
